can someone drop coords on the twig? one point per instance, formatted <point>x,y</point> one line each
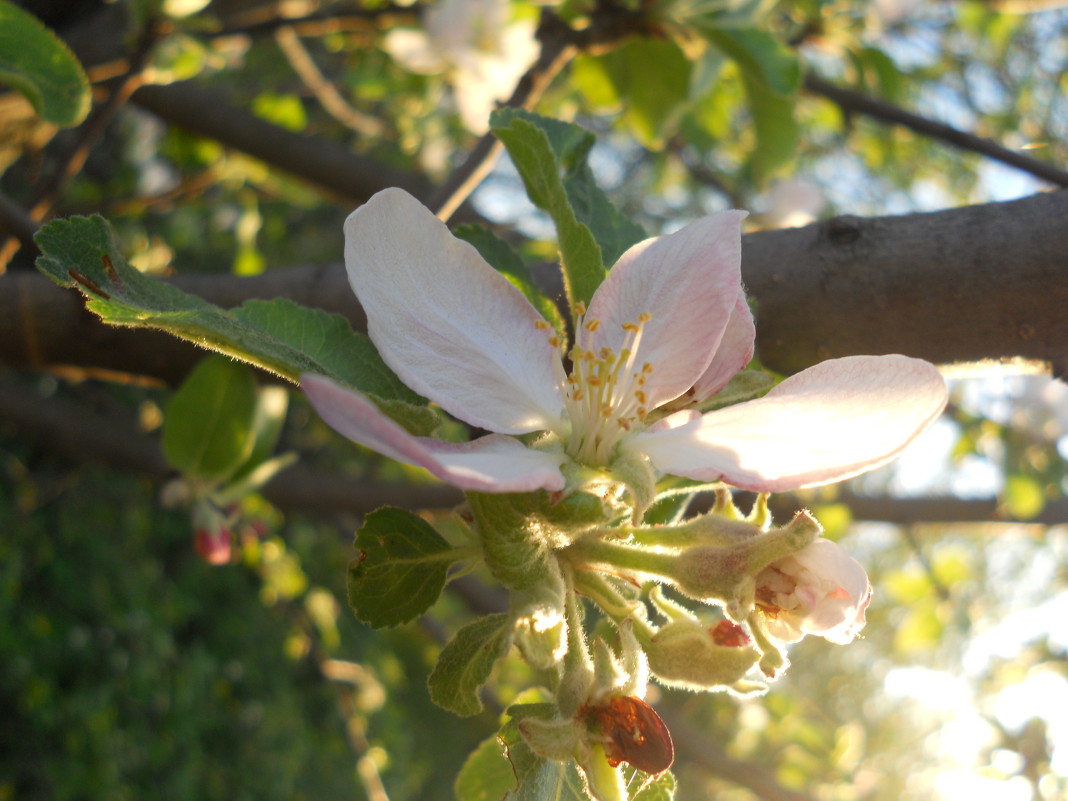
<point>555,53</point>
<point>325,91</point>
<point>267,20</point>
<point>855,102</point>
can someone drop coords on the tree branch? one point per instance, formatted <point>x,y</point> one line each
<point>968,284</point>
<point>856,103</point>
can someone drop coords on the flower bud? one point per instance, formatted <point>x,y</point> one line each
<point>541,635</point>
<point>819,590</point>
<point>690,656</point>
<point>725,574</point>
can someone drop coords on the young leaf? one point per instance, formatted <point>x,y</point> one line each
<point>660,788</point>
<point>38,64</point>
<point>400,568</point>
<point>208,427</point>
<point>276,335</point>
<point>465,664</point>
<point>613,232</point>
<point>539,166</point>
<point>538,779</point>
<point>486,775</point>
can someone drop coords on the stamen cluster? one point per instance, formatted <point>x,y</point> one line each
<point>604,393</point>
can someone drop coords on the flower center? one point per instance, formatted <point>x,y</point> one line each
<point>604,394</point>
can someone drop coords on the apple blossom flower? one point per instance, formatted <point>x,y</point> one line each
<point>670,319</point>
<point>819,590</point>
<point>475,43</point>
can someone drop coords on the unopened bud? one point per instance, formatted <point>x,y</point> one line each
<point>691,656</point>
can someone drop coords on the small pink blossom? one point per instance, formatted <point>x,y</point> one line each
<point>819,590</point>
<point>669,320</point>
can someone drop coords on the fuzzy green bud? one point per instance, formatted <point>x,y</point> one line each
<point>690,656</point>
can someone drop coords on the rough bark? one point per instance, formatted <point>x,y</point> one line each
<point>969,284</point>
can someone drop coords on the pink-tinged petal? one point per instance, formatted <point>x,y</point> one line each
<point>493,463</point>
<point>689,282</point>
<point>819,590</point>
<point>734,351</point>
<point>831,422</point>
<point>448,324</point>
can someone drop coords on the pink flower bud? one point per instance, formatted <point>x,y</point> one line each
<point>213,546</point>
<point>819,590</point>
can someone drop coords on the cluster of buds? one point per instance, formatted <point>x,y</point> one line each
<point>772,585</point>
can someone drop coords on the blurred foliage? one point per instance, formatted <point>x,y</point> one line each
<point>129,668</point>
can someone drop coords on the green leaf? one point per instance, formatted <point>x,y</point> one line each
<point>777,131</point>
<point>208,427</point>
<point>501,257</point>
<point>400,568</point>
<point>613,231</point>
<point>652,79</point>
<point>38,64</point>
<point>539,779</point>
<point>514,529</point>
<point>276,335</point>
<point>539,166</point>
<point>761,57</point>
<point>659,788</point>
<point>267,421</point>
<point>465,664</point>
<point>487,774</point>
<point>746,385</point>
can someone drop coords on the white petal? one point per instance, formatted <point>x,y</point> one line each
<point>689,281</point>
<point>831,422</point>
<point>448,324</point>
<point>413,51</point>
<point>734,351</point>
<point>493,463</point>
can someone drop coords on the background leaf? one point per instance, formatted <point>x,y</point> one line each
<point>38,64</point>
<point>208,429</point>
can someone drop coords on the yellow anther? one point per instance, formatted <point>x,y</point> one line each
<point>640,396</point>
<point>644,317</point>
<point>580,308</point>
<point>642,411</point>
<point>592,325</point>
<point>554,341</point>
<point>541,325</point>
<point>647,368</point>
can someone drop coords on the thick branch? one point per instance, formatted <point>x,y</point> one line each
<point>855,103</point>
<point>982,282</point>
<point>968,284</point>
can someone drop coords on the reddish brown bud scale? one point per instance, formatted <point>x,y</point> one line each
<point>729,634</point>
<point>632,732</point>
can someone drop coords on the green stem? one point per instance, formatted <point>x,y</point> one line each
<point>598,554</point>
